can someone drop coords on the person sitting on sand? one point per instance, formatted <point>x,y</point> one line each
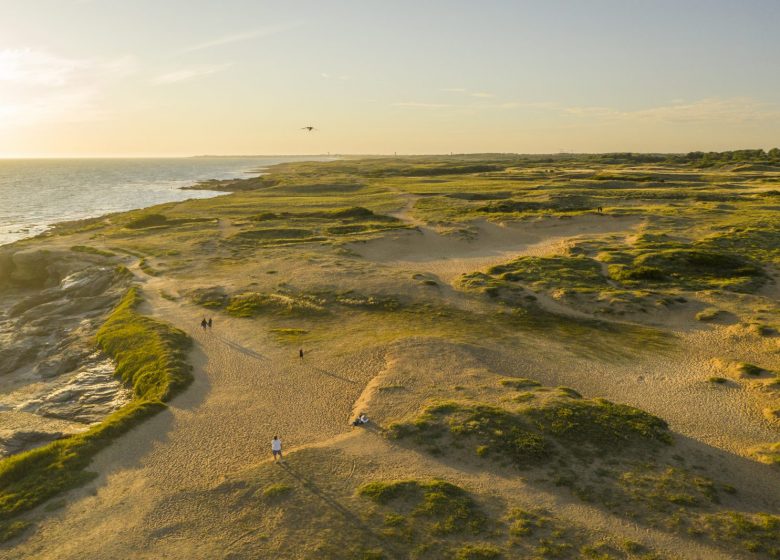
<point>204,323</point>
<point>276,449</point>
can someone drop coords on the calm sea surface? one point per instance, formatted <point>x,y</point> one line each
<point>37,193</point>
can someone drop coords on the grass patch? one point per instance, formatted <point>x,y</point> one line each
<point>150,357</point>
<point>212,298</point>
<point>758,533</point>
<point>558,272</point>
<point>599,423</point>
<point>449,507</point>
<point>709,314</point>
<point>254,303</point>
<point>92,251</point>
<point>519,383</point>
<point>535,431</point>
<point>288,334</point>
<point>690,268</point>
<point>277,490</point>
<point>157,220</point>
<point>750,370</point>
<point>12,529</point>
<point>768,454</point>
<point>478,552</point>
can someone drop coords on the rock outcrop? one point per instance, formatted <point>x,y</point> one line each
<point>53,381</point>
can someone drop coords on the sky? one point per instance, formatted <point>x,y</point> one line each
<point>105,78</point>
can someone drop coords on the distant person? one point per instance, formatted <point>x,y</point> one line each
<point>276,449</point>
<point>204,323</point>
<point>209,322</point>
<point>600,209</point>
<point>360,420</point>
<point>300,353</point>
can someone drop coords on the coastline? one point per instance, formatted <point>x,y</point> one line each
<point>204,188</point>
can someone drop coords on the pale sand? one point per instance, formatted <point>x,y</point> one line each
<point>247,388</point>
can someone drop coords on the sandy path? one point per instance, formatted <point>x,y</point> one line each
<point>243,394</point>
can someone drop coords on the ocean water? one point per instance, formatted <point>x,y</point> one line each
<point>36,193</point>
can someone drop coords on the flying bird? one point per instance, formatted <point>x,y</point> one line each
<point>308,128</point>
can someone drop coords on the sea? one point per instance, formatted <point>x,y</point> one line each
<point>36,193</point>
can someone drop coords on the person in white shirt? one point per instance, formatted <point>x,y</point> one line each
<point>276,448</point>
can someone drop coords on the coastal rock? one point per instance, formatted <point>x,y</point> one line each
<point>87,396</point>
<point>54,379</point>
<point>20,431</point>
<point>41,268</point>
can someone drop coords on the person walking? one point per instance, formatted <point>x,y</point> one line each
<point>209,322</point>
<point>300,353</point>
<point>276,449</point>
<point>204,323</point>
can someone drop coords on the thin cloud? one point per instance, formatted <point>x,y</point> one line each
<point>732,110</point>
<point>327,76</point>
<point>186,74</point>
<point>423,105</point>
<point>40,86</point>
<point>240,37</point>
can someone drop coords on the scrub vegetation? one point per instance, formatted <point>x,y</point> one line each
<point>448,297</point>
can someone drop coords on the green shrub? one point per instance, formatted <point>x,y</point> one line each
<point>478,552</point>
<point>92,251</point>
<point>750,369</point>
<point>599,422</point>
<point>148,220</point>
<point>255,303</point>
<point>277,490</point>
<point>450,507</point>
<point>709,314</point>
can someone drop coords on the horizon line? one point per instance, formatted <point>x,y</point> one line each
<point>361,155</point>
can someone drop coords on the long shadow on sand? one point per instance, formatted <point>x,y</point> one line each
<point>349,516</point>
<point>238,348</point>
<point>331,374</point>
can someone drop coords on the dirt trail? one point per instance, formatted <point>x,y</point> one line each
<point>244,393</point>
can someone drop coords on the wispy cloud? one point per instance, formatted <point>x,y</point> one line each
<point>424,105</point>
<point>39,86</point>
<point>240,37</point>
<point>728,110</point>
<point>186,74</point>
<point>481,94</point>
<point>716,110</point>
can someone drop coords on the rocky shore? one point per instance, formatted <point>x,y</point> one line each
<point>53,380</point>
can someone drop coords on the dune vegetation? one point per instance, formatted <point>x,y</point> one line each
<point>570,356</point>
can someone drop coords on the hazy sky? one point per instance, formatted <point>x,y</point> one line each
<point>181,77</point>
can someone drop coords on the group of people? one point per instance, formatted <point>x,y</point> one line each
<point>276,442</point>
